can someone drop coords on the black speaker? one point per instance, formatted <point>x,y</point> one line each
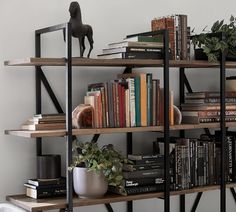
<point>48,166</point>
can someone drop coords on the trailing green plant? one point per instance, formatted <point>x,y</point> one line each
<point>105,159</point>
<point>212,45</point>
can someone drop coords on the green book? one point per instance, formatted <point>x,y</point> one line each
<point>144,39</point>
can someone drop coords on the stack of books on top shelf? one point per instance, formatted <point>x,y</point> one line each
<point>43,188</point>
<point>146,174</point>
<point>179,34</point>
<point>45,122</point>
<point>204,107</point>
<point>138,47</point>
<point>132,100</point>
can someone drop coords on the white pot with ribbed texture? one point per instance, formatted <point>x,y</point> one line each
<point>89,184</point>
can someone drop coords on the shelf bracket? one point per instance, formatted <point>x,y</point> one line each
<point>50,91</point>
<point>233,193</point>
<point>182,203</point>
<point>109,208</point>
<point>196,202</point>
<point>95,138</point>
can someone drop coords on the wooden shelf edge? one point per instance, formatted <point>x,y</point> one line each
<point>35,205</point>
<point>31,61</point>
<point>61,133</point>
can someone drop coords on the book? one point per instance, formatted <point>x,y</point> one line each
<point>144,173</point>
<point>142,181</point>
<point>50,115</point>
<point>133,167</point>
<point>131,49</point>
<point>136,190</point>
<point>45,193</point>
<point>41,182</point>
<point>52,126</point>
<point>198,120</point>
<point>142,157</point>
<point>44,187</point>
<point>210,94</point>
<point>141,38</point>
<point>135,44</point>
<point>132,55</point>
<point>204,107</point>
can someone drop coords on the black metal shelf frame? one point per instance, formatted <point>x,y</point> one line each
<point>40,77</point>
<point>185,83</point>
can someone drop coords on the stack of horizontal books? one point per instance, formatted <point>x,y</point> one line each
<point>45,122</point>
<point>138,47</point>
<point>146,174</point>
<point>204,107</point>
<point>43,188</point>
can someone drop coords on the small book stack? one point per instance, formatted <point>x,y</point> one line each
<point>146,174</point>
<point>43,188</point>
<point>45,122</point>
<point>204,107</point>
<point>138,47</point>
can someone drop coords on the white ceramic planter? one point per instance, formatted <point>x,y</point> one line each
<point>89,184</point>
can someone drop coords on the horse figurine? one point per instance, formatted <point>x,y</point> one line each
<point>80,30</point>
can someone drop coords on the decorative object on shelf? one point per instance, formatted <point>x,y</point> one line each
<point>231,83</point>
<point>212,45</point>
<point>100,167</point>
<point>48,166</point>
<point>82,116</point>
<point>80,30</point>
<point>177,115</point>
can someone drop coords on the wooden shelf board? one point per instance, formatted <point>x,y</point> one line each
<point>35,205</point>
<point>60,133</point>
<point>114,62</point>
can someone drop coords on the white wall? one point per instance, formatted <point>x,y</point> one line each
<point>111,21</point>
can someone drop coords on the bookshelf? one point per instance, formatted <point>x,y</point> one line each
<point>34,205</point>
<point>68,203</point>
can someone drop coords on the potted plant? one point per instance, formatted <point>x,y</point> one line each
<point>211,46</point>
<point>95,168</point>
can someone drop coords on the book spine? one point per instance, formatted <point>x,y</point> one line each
<point>137,101</point>
<point>144,173</point>
<point>142,181</point>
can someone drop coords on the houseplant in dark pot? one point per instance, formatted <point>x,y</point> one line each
<point>212,46</point>
<point>95,168</point>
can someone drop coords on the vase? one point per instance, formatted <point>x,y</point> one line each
<point>89,184</point>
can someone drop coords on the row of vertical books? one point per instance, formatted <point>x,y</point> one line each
<point>132,100</point>
<point>179,34</point>
<point>204,107</point>
<point>197,162</point>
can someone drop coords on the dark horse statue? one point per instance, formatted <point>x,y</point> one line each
<point>80,30</point>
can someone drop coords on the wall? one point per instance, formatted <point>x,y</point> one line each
<point>111,20</point>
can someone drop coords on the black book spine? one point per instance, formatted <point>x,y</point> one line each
<point>142,181</point>
<point>144,173</point>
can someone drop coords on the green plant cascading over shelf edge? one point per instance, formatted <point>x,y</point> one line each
<point>105,159</point>
<point>213,46</point>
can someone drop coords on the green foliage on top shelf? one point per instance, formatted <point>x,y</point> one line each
<point>105,159</point>
<point>212,46</point>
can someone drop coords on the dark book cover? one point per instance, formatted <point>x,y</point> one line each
<point>142,181</point>
<point>144,173</point>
